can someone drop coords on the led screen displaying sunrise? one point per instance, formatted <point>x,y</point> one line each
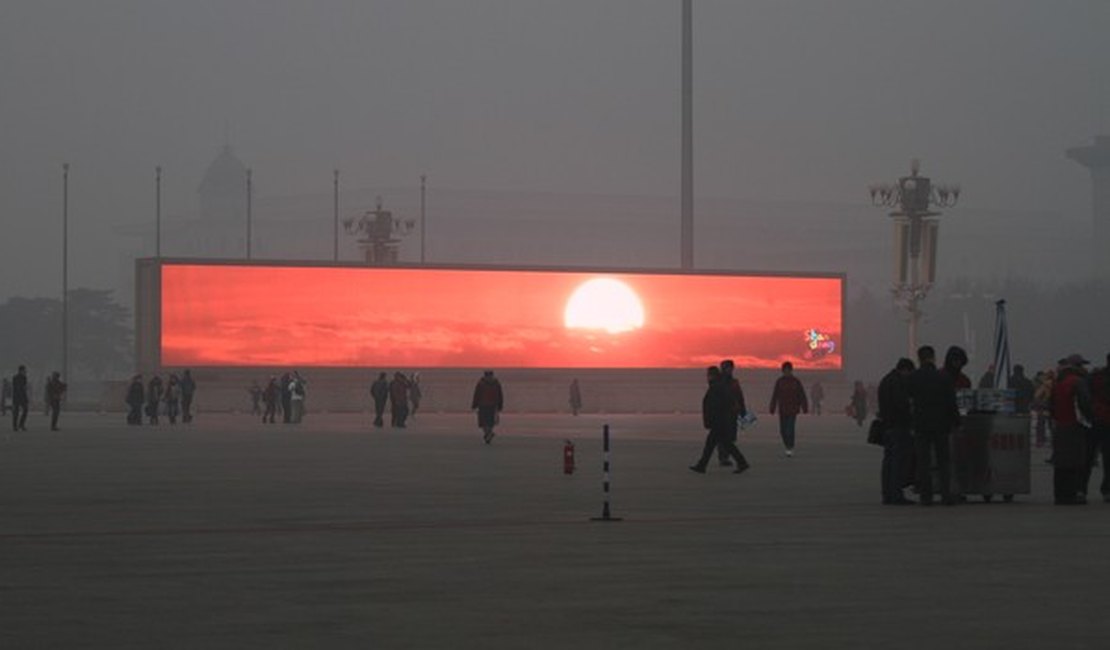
<point>228,315</point>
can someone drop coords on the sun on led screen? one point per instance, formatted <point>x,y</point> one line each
<point>251,315</point>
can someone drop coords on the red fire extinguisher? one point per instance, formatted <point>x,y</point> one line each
<point>568,458</point>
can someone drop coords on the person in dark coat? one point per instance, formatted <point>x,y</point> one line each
<point>153,398</point>
<point>987,379</point>
<point>398,400</point>
<point>271,397</point>
<point>896,415</point>
<point>955,360</point>
<point>935,415</point>
<point>788,398</point>
<point>55,390</point>
<point>21,401</point>
<point>379,391</point>
<point>857,408</point>
<point>1023,390</point>
<point>1099,437</point>
<point>1071,399</point>
<point>286,398</point>
<point>188,390</point>
<point>172,398</point>
<point>488,400</point>
<point>135,401</point>
<point>739,407</point>
<point>719,417</point>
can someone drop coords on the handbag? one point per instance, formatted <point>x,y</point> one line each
<point>875,432</point>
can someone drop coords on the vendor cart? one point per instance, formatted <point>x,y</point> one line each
<point>990,451</point>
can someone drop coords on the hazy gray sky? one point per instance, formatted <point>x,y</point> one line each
<point>794,100</point>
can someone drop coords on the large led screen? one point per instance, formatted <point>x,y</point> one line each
<point>252,315</point>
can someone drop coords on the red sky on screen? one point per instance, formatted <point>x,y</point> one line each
<point>225,315</point>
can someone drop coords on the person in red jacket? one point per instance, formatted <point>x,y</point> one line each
<point>788,398</point>
<point>1099,438</point>
<point>1071,405</point>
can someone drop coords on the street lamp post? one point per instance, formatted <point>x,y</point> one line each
<point>916,230</point>
<point>335,211</point>
<point>687,199</point>
<point>158,211</point>
<point>65,271</point>
<point>378,232</point>
<point>423,194</point>
<point>250,194</point>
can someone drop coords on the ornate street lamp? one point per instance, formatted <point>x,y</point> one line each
<point>914,198</point>
<point>378,233</point>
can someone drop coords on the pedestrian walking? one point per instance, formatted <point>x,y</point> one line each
<point>727,369</point>
<point>896,415</point>
<point>5,396</point>
<point>817,396</point>
<point>379,392</point>
<point>153,398</point>
<point>286,398</point>
<point>788,398</point>
<point>271,397</point>
<point>857,407</point>
<point>298,394</point>
<point>575,397</point>
<point>718,414</point>
<point>488,400</point>
<point>172,398</point>
<point>20,399</point>
<point>398,400</point>
<point>55,390</point>
<point>135,400</point>
<point>188,391</point>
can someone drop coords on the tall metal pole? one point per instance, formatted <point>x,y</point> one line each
<point>423,194</point>
<point>335,210</point>
<point>687,134</point>
<point>65,271</point>
<point>158,211</point>
<point>250,193</point>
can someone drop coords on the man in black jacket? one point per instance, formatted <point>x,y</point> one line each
<point>718,413</point>
<point>896,414</point>
<point>20,400</point>
<point>935,415</point>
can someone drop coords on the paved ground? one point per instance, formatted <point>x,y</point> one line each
<point>229,534</point>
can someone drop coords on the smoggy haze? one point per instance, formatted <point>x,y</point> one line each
<point>798,101</point>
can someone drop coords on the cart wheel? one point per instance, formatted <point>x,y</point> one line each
<point>1008,498</point>
<point>987,498</point>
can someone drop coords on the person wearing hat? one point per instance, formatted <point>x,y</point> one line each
<point>1071,400</point>
<point>1099,443</point>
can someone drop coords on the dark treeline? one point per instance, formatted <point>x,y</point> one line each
<point>100,335</point>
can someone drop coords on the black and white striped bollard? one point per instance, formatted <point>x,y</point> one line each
<point>605,516</point>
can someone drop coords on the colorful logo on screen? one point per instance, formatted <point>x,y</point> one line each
<point>818,344</point>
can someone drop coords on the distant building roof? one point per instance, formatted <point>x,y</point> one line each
<point>225,175</point>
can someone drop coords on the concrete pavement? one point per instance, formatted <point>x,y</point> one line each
<point>233,534</point>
